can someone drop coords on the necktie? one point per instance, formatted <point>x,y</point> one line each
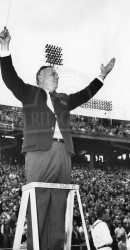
<point>53,96</point>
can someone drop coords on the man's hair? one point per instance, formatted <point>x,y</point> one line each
<point>39,71</point>
<point>100,211</point>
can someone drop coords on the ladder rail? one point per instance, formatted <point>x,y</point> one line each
<point>69,220</point>
<point>34,219</point>
<point>21,220</point>
<point>83,220</point>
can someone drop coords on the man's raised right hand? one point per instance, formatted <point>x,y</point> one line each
<point>5,39</point>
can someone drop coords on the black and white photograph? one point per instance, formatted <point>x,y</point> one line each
<point>64,125</point>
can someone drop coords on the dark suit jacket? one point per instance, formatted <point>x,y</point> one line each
<point>39,120</point>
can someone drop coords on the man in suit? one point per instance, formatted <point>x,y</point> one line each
<point>47,143</point>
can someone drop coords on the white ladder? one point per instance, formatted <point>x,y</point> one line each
<point>28,190</point>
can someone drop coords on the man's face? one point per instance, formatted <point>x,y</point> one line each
<point>48,79</point>
<point>119,225</point>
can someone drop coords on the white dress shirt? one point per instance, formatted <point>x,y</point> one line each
<point>57,133</point>
<point>119,231</point>
<point>101,235</point>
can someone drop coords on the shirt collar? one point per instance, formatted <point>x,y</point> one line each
<point>46,91</point>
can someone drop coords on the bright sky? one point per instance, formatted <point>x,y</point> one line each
<point>90,32</point>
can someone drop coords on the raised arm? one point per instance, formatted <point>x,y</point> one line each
<point>87,93</point>
<point>9,75</point>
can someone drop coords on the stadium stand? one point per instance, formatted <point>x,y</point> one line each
<point>82,124</point>
<point>107,184</point>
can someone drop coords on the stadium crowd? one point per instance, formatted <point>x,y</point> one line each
<point>11,180</point>
<point>99,126</point>
<point>9,114</point>
<point>106,185</point>
<point>82,124</point>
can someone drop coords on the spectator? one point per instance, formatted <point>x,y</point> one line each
<point>119,231</point>
<point>75,242</point>
<point>122,243</point>
<point>100,231</point>
<point>6,233</point>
